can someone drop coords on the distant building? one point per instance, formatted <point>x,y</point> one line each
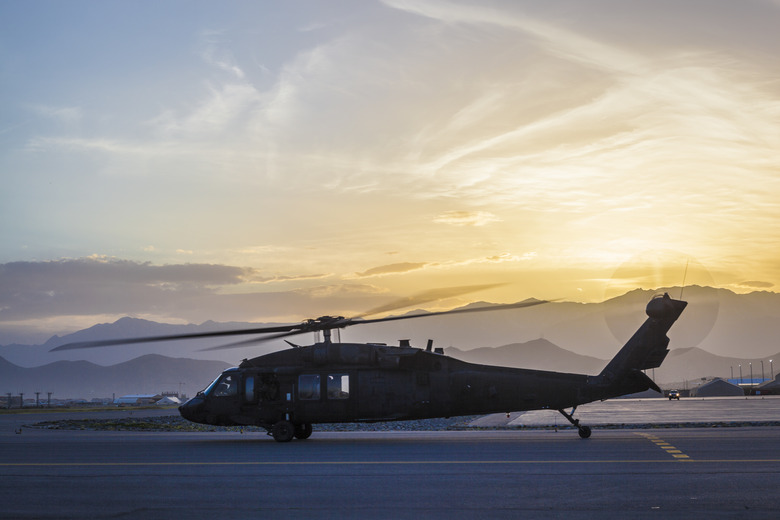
<point>717,388</point>
<point>168,400</point>
<point>771,387</point>
<point>137,399</point>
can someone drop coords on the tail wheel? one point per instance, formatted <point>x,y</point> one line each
<point>303,431</point>
<point>283,431</point>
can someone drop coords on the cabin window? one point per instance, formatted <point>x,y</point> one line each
<point>338,386</point>
<point>249,389</point>
<point>309,387</point>
<point>269,388</point>
<point>227,386</point>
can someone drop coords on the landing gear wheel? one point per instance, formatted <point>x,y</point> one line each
<point>303,431</point>
<point>584,431</point>
<point>283,431</point>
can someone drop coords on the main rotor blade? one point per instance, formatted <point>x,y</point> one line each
<point>343,323</point>
<point>519,305</point>
<point>174,337</point>
<point>429,296</point>
<point>247,342</point>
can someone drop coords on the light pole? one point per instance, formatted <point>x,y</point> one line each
<point>740,374</point>
<point>762,370</point>
<point>771,370</point>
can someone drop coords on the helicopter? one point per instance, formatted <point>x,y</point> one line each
<point>288,391</point>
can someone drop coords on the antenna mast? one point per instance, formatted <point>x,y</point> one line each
<point>685,275</point>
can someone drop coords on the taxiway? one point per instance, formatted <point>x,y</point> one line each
<point>665,473</point>
<point>644,471</point>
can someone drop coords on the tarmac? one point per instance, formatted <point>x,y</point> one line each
<point>515,467</point>
<point>691,411</point>
<point>676,473</point>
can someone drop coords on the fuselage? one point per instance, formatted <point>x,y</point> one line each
<point>349,382</point>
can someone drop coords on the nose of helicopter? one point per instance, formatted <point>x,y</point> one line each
<point>193,410</point>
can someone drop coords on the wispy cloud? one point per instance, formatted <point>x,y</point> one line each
<point>382,270</point>
<point>755,284</point>
<point>466,218</point>
<point>288,278</point>
<point>216,55</point>
<point>556,40</point>
<point>66,114</point>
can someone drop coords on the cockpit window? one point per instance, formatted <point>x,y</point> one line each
<point>227,386</point>
<point>211,386</point>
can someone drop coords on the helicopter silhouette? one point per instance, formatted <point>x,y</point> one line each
<point>288,391</point>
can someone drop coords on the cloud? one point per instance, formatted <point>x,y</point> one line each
<point>102,287</point>
<point>401,267</point>
<point>216,55</point>
<point>67,115</point>
<point>755,284</point>
<point>288,278</point>
<point>340,291</point>
<point>466,218</point>
<point>509,257</point>
<point>430,296</point>
<point>557,40</point>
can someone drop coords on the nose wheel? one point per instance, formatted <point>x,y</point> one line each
<point>584,431</point>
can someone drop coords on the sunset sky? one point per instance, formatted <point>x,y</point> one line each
<point>275,161</point>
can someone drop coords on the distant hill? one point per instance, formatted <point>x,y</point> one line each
<point>36,355</point>
<point>717,321</point>
<point>686,364</point>
<point>538,354</point>
<point>154,373</point>
<point>147,374</point>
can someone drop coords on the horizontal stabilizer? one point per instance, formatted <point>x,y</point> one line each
<point>654,359</point>
<point>645,379</point>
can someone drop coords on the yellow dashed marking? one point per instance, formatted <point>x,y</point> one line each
<point>668,448</point>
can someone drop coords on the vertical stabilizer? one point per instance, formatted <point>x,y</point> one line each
<point>647,347</point>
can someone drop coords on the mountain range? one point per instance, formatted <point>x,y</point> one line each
<point>717,332</point>
<point>684,365</point>
<point>153,373</point>
<point>149,374</point>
